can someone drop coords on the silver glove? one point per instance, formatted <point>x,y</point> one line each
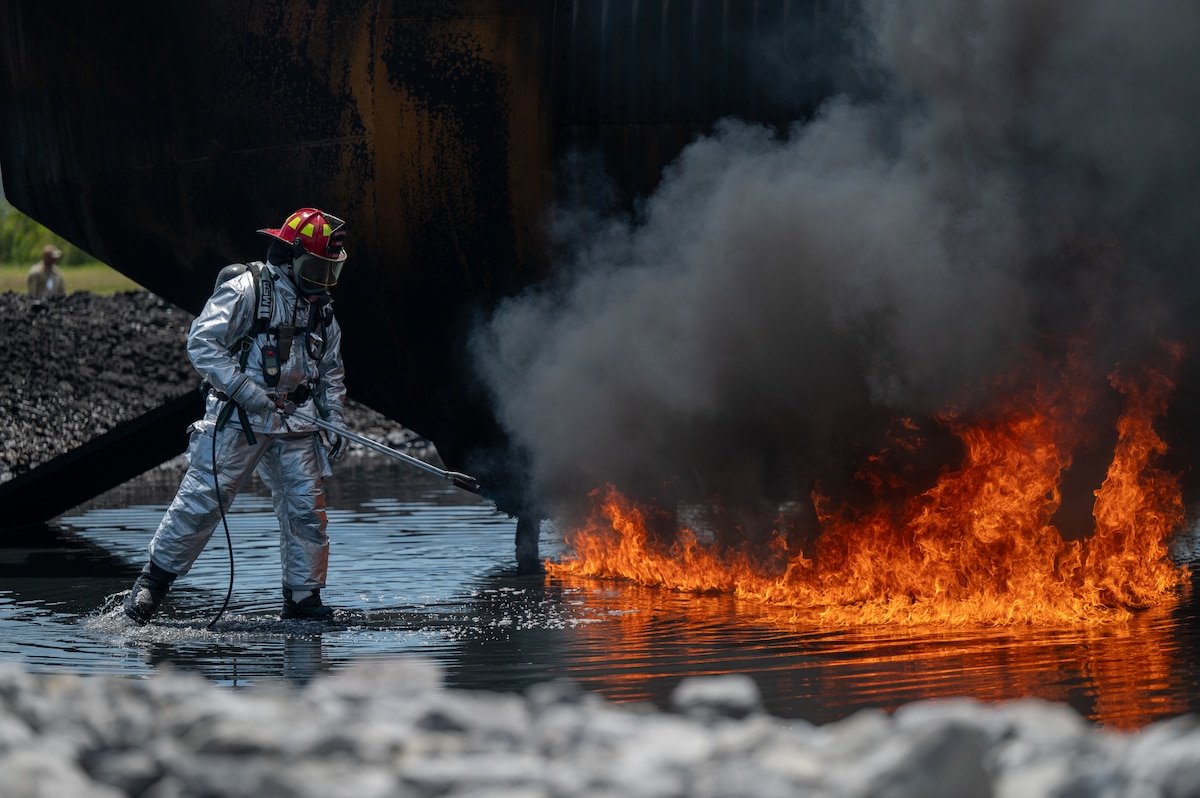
<point>337,447</point>
<point>337,443</point>
<point>252,398</point>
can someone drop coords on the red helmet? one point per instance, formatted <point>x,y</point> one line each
<point>318,245</point>
<point>320,233</point>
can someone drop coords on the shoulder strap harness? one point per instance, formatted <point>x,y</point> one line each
<point>320,315</point>
<point>264,303</point>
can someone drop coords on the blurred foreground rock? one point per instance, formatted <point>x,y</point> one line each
<point>390,730</point>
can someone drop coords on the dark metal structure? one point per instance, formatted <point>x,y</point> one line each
<point>99,465</point>
<point>159,136</point>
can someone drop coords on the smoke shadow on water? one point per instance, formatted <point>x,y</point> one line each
<point>419,569</point>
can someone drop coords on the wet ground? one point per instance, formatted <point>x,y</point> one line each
<point>421,568</point>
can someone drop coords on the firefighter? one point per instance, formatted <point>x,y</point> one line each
<point>266,344</point>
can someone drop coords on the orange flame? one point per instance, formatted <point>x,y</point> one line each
<point>976,548</point>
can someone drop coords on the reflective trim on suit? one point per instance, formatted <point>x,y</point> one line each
<point>293,466</point>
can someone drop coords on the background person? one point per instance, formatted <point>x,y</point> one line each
<point>45,278</point>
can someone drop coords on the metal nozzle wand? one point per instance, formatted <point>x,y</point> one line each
<point>460,480</point>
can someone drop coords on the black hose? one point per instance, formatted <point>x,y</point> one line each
<point>228,537</point>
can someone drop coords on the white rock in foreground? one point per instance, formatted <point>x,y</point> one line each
<point>392,730</point>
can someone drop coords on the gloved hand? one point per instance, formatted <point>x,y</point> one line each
<point>337,444</point>
<point>252,398</point>
<point>337,447</point>
<point>284,406</point>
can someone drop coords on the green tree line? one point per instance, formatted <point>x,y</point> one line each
<point>22,240</point>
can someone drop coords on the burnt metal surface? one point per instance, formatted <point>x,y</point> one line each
<point>159,137</point>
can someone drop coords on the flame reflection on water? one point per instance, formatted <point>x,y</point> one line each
<point>1123,675</point>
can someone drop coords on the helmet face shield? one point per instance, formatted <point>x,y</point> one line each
<point>316,273</point>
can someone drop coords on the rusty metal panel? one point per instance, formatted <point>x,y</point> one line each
<point>160,137</point>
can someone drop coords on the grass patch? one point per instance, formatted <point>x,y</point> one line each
<point>93,278</point>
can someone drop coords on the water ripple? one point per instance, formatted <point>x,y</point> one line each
<point>419,569</point>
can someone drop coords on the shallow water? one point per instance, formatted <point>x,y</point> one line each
<point>418,567</point>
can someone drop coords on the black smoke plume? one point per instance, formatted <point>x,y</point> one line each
<point>1021,170</point>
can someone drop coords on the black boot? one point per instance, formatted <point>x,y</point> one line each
<point>307,609</point>
<point>148,591</point>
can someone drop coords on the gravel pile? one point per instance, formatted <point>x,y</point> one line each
<point>73,367</point>
<point>391,730</point>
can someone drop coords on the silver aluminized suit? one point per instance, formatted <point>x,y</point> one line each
<point>289,455</point>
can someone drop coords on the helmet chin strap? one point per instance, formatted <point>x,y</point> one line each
<point>303,286</point>
<point>298,251</point>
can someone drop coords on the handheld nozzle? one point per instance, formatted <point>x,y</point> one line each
<point>459,480</point>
